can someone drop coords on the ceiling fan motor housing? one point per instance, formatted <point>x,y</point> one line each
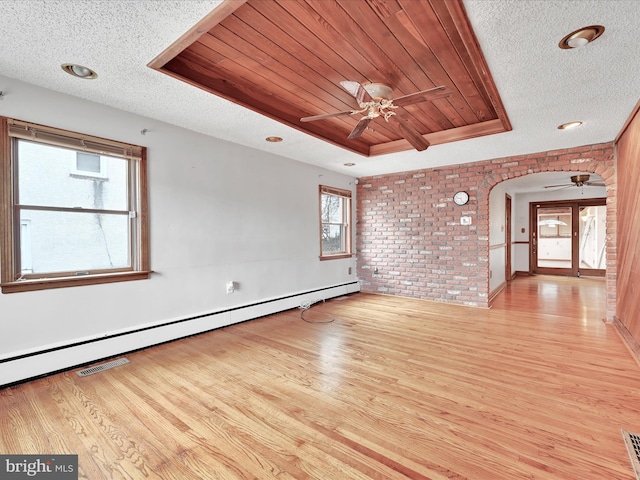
<point>580,179</point>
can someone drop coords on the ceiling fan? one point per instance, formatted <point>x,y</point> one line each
<point>374,100</point>
<point>578,181</point>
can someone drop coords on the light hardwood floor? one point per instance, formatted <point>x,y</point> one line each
<point>538,386</point>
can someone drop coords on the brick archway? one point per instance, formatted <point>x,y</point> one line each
<point>410,240</point>
<point>597,159</point>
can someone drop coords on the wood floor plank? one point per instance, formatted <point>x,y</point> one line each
<point>537,387</point>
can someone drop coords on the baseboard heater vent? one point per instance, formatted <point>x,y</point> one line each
<point>632,441</point>
<point>102,367</point>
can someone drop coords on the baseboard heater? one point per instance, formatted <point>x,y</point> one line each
<point>47,361</point>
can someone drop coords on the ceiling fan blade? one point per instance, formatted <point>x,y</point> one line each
<point>412,136</point>
<point>563,185</point>
<point>422,96</point>
<point>326,115</point>
<point>357,91</point>
<point>359,128</point>
<point>595,184</point>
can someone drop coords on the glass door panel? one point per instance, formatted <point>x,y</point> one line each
<point>568,237</point>
<point>592,237</point>
<point>554,247</point>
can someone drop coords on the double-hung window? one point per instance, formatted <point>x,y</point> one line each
<point>335,223</point>
<point>73,210</point>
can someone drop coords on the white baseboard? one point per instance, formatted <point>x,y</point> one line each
<point>51,359</point>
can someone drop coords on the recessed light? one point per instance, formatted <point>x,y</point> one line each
<point>349,164</point>
<point>79,71</point>
<point>581,37</point>
<point>273,139</point>
<point>569,125</point>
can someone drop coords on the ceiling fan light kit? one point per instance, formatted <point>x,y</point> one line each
<point>378,90</point>
<point>375,100</point>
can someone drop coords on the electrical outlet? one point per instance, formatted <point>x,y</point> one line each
<point>230,286</point>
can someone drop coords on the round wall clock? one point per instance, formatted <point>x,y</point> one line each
<point>461,198</point>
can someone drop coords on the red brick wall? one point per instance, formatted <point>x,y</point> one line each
<point>409,228</point>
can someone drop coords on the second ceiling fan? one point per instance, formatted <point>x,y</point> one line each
<point>578,181</point>
<point>374,100</point>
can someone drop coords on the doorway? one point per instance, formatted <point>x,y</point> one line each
<point>507,252</point>
<point>568,237</point>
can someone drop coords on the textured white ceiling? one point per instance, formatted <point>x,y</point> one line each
<point>541,85</point>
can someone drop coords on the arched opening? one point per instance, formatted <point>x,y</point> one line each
<point>558,226</point>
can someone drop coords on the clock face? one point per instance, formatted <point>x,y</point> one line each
<point>461,198</point>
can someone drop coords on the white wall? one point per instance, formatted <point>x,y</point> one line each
<point>218,212</point>
<point>497,237</point>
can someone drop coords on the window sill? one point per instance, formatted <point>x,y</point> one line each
<point>62,282</point>
<point>335,257</point>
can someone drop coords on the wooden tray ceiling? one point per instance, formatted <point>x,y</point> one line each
<point>285,59</point>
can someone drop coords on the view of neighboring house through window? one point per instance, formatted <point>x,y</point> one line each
<point>79,211</point>
<point>78,224</point>
<point>335,223</point>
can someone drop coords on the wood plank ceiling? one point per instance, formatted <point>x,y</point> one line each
<point>285,59</point>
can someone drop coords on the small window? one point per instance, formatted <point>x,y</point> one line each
<point>71,232</point>
<point>335,223</point>
<point>89,165</point>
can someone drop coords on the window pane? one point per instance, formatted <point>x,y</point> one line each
<point>88,162</point>
<point>25,246</point>
<point>593,240</point>
<point>70,241</point>
<point>554,237</point>
<point>331,209</point>
<point>332,239</point>
<point>46,179</point>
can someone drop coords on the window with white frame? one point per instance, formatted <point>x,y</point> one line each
<point>74,229</point>
<point>335,223</point>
